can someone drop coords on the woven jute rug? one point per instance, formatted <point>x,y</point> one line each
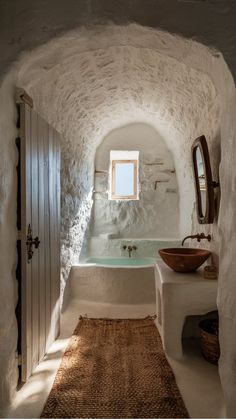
<point>115,369</point>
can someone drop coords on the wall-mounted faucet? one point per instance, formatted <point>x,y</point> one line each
<point>129,249</point>
<point>199,237</point>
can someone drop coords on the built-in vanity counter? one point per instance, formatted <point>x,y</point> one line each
<point>179,295</point>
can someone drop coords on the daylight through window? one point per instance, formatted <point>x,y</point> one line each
<point>124,175</point>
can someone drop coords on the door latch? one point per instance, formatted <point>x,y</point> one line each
<point>30,242</point>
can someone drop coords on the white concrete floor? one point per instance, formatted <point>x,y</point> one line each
<point>198,380</point>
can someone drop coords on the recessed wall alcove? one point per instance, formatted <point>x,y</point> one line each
<point>88,84</point>
<point>156,213</point>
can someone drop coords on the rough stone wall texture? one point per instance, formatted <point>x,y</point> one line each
<point>227,261</point>
<point>156,213</point>
<point>112,77</point>
<point>211,22</point>
<point>8,237</point>
<point>87,83</point>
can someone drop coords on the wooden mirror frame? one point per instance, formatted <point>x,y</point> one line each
<point>208,217</point>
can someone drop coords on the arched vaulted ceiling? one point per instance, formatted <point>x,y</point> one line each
<point>92,81</point>
<point>31,24</point>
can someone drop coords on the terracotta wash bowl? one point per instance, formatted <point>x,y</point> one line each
<point>184,259</point>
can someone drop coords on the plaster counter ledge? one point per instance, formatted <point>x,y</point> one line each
<point>179,295</point>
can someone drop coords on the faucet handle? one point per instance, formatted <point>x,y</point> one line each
<point>203,236</point>
<point>135,247</point>
<point>124,247</point>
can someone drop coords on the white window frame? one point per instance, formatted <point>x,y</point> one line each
<point>122,156</point>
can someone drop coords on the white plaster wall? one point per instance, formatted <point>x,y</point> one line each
<point>87,83</point>
<point>156,213</point>
<point>227,260</point>
<point>100,247</point>
<point>108,79</point>
<point>8,237</point>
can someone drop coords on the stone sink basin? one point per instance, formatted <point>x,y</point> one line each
<point>184,259</point>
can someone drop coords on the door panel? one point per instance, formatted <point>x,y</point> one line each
<point>40,191</point>
<point>47,269</point>
<point>35,231</point>
<point>42,232</point>
<point>54,215</point>
<point>25,135</point>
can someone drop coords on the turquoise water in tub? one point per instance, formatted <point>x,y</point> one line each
<point>122,261</point>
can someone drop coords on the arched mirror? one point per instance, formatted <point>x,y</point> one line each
<point>204,185</point>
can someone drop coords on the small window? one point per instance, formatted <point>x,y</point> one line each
<point>124,175</point>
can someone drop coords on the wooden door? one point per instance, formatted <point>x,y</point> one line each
<point>39,233</point>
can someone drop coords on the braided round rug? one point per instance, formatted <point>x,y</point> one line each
<point>115,369</point>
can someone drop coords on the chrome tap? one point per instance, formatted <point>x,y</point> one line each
<point>199,237</point>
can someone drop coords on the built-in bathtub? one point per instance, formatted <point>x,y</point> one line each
<point>114,280</point>
<point>122,262</point>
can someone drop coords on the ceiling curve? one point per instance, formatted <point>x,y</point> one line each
<point>90,84</point>
<point>91,81</point>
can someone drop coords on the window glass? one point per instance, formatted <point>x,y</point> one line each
<point>124,179</point>
<point>124,175</point>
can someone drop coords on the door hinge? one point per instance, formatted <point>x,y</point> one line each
<point>19,359</point>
